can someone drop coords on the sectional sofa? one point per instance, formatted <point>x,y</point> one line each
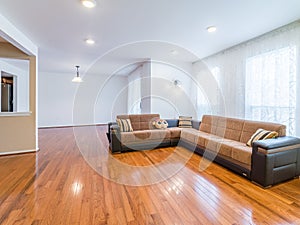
<point>221,139</point>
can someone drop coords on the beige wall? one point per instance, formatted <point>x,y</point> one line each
<point>18,133</point>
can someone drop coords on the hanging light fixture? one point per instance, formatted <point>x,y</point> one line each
<point>77,78</point>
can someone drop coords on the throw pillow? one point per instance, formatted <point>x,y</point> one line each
<point>262,134</point>
<point>185,122</point>
<point>125,125</point>
<point>160,124</point>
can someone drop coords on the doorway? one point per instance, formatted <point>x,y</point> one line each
<point>8,90</point>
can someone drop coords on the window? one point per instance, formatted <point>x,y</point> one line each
<point>271,87</point>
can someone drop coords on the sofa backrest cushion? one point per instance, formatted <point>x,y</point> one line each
<point>237,129</point>
<point>250,127</point>
<point>141,121</point>
<point>229,128</point>
<point>209,124</point>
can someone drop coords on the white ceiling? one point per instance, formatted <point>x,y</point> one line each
<point>59,27</point>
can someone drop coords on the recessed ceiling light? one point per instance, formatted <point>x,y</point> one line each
<point>89,3</point>
<point>89,41</point>
<point>211,29</point>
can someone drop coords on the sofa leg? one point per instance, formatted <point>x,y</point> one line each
<point>261,185</point>
<point>114,152</point>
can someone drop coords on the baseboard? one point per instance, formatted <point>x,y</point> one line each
<point>68,126</point>
<point>19,152</point>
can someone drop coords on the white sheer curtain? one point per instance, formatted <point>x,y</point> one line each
<point>271,87</point>
<point>260,79</point>
<point>207,97</point>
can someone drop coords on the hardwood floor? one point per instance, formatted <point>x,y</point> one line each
<point>61,185</point>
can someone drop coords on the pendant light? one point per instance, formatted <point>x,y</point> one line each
<point>77,78</point>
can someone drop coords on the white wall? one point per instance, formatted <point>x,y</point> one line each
<point>112,100</point>
<point>134,91</point>
<point>56,93</point>
<point>9,32</point>
<point>22,84</point>
<point>56,98</point>
<point>168,100</point>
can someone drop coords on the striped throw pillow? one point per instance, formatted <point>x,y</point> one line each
<point>185,122</point>
<point>125,125</point>
<point>262,134</point>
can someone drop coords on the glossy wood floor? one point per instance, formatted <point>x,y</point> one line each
<point>57,186</point>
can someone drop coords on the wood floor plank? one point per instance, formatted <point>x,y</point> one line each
<point>58,186</point>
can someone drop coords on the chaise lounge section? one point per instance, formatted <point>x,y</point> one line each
<point>223,140</point>
<point>220,139</point>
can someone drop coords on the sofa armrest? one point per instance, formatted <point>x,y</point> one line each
<point>114,128</point>
<point>275,160</point>
<point>172,122</point>
<point>275,145</point>
<point>108,129</point>
<point>196,124</point>
<point>110,124</point>
<point>115,138</point>
<point>175,123</point>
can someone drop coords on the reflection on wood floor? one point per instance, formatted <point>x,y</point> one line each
<point>64,185</point>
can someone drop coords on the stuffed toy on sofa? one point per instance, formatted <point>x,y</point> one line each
<point>160,124</point>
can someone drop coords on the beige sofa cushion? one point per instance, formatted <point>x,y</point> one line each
<point>141,121</point>
<point>250,127</point>
<point>203,138</point>
<point>129,137</point>
<point>242,153</point>
<point>189,134</point>
<point>175,132</point>
<point>209,124</point>
<point>144,136</point>
<point>221,145</point>
<point>233,127</point>
<point>160,134</point>
<point>229,128</point>
<point>226,147</point>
